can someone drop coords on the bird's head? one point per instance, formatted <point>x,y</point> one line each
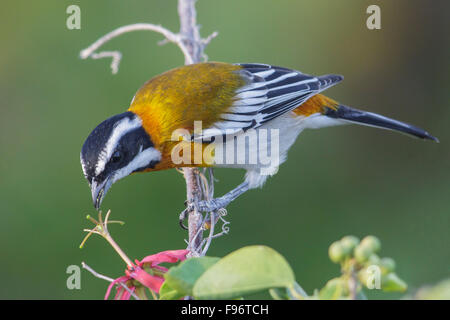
<point>116,148</point>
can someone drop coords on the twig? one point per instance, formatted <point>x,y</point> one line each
<point>116,55</point>
<point>208,39</point>
<point>100,276</point>
<point>190,30</point>
<point>211,233</point>
<point>221,213</point>
<point>353,285</point>
<point>101,228</point>
<point>193,194</point>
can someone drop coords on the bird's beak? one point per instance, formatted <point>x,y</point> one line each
<point>99,191</point>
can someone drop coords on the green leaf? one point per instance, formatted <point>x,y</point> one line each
<point>333,289</point>
<point>182,277</point>
<point>440,291</point>
<point>166,292</point>
<point>242,272</point>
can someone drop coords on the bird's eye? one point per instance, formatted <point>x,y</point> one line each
<point>116,157</point>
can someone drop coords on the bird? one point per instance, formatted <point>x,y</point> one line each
<point>209,106</point>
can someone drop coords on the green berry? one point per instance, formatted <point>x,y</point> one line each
<point>349,243</point>
<point>336,252</point>
<point>387,265</point>
<point>374,259</point>
<point>371,242</point>
<point>362,253</point>
<point>363,276</point>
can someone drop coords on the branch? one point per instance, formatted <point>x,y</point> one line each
<point>100,276</point>
<point>195,45</point>
<point>116,55</point>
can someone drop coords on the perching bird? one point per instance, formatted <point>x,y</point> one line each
<point>229,101</point>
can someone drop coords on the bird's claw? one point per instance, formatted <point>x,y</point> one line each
<point>182,218</point>
<point>212,205</point>
<point>183,214</point>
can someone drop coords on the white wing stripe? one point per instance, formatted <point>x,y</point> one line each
<point>280,99</point>
<point>251,101</point>
<point>256,93</point>
<point>240,107</point>
<point>251,86</point>
<point>251,94</point>
<point>280,78</point>
<point>294,84</point>
<point>257,85</point>
<point>245,109</point>
<point>237,117</point>
<point>264,74</point>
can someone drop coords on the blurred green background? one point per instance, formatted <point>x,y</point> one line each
<point>337,181</point>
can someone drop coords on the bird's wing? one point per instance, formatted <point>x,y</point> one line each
<point>268,93</point>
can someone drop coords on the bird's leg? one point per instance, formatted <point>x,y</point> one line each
<point>223,201</point>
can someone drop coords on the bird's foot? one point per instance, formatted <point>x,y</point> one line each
<point>202,206</point>
<point>183,215</point>
<point>214,204</point>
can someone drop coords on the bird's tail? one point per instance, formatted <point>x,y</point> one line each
<point>375,120</point>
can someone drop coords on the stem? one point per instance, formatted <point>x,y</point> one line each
<point>118,250</point>
<point>189,30</point>
<point>191,35</point>
<point>100,276</point>
<point>116,55</point>
<point>101,228</point>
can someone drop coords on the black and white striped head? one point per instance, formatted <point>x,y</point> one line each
<point>116,148</point>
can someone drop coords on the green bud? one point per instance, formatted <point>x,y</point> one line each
<point>392,283</point>
<point>349,243</point>
<point>370,277</point>
<point>362,253</point>
<point>336,252</point>
<point>374,259</point>
<point>363,276</point>
<point>387,265</point>
<point>371,242</point>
